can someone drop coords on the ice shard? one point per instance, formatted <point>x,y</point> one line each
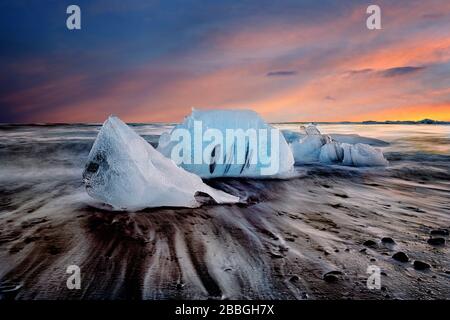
<point>126,172</point>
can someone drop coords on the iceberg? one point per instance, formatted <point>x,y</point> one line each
<point>315,147</point>
<point>228,143</point>
<point>126,172</point>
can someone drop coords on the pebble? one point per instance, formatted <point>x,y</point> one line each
<point>370,243</point>
<point>332,276</point>
<point>439,232</point>
<point>400,256</point>
<point>419,265</point>
<point>387,240</point>
<point>180,286</point>
<point>436,241</point>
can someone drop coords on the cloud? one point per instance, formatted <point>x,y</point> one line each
<point>360,72</point>
<point>400,71</point>
<point>387,73</point>
<point>162,59</point>
<point>283,73</point>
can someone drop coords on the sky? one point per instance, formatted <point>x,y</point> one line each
<point>289,60</point>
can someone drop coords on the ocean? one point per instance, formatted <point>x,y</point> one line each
<point>282,244</point>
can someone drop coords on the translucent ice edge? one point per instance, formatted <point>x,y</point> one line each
<point>126,172</point>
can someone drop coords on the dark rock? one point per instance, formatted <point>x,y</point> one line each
<point>332,276</point>
<point>294,278</point>
<point>400,256</point>
<point>180,286</point>
<point>436,241</point>
<point>419,265</point>
<point>370,243</point>
<point>439,232</point>
<point>387,240</point>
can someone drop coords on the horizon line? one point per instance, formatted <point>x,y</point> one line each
<point>368,122</point>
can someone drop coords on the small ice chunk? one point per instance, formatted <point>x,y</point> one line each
<point>292,136</point>
<point>126,172</point>
<point>307,149</point>
<point>315,147</point>
<point>331,152</point>
<point>229,143</point>
<point>311,130</point>
<point>362,155</point>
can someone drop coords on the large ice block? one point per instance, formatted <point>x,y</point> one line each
<point>228,143</point>
<point>125,171</point>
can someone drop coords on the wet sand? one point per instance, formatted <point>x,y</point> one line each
<point>281,244</point>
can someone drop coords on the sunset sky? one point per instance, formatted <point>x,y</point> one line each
<point>289,60</point>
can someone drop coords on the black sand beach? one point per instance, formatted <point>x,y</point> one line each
<point>310,237</point>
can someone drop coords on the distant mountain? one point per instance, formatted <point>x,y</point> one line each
<point>424,121</point>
